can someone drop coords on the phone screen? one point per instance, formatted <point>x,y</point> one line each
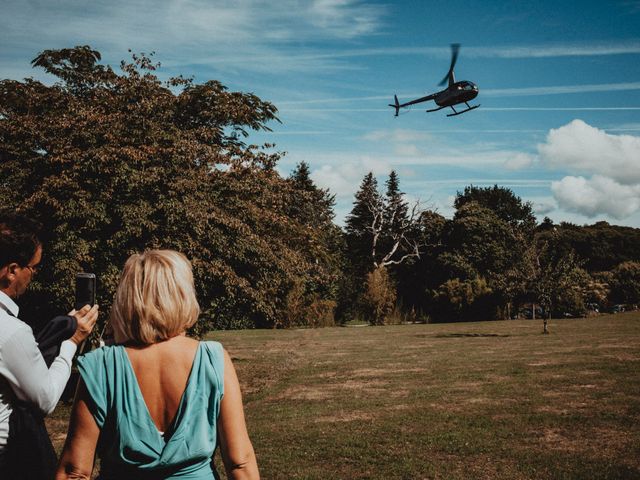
<point>85,290</point>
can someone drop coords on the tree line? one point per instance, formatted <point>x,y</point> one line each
<point>111,163</point>
<point>492,260</point>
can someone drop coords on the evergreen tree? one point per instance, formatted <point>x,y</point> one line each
<point>358,239</point>
<point>310,205</point>
<point>301,177</point>
<point>313,208</point>
<point>396,208</point>
<point>359,236</point>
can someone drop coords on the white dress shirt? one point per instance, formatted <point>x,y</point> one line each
<point>23,371</point>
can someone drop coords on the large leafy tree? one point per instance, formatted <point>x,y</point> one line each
<point>116,162</point>
<point>479,244</point>
<point>503,202</point>
<point>315,294</point>
<point>492,230</point>
<point>556,280</point>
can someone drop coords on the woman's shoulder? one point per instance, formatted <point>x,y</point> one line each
<point>214,348</point>
<point>100,355</point>
<point>215,353</point>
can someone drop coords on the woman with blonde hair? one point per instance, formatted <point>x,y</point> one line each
<point>156,404</point>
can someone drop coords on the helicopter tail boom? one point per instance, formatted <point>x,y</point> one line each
<point>395,105</point>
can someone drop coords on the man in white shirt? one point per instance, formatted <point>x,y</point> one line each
<point>23,372</point>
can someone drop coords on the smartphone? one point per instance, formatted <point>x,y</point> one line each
<point>85,290</point>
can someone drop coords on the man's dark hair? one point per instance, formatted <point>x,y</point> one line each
<point>19,239</point>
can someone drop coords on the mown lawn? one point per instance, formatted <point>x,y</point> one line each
<point>489,400</point>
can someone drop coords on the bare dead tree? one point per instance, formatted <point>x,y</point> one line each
<point>394,238</point>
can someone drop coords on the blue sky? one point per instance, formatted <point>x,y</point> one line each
<point>559,87</point>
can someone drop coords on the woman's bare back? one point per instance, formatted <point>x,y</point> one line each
<point>162,370</point>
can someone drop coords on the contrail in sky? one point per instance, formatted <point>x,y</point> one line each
<point>491,109</point>
<point>490,92</point>
<point>525,51</point>
<point>559,90</point>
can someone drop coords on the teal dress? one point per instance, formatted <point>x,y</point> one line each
<point>130,445</point>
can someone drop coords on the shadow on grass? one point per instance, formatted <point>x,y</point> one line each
<point>454,335</point>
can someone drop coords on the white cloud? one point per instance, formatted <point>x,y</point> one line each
<point>543,207</point>
<point>246,35</point>
<point>605,170</point>
<point>519,161</point>
<point>406,150</point>
<point>340,180</point>
<point>597,195</point>
<point>583,149</point>
<point>343,176</point>
<point>345,18</point>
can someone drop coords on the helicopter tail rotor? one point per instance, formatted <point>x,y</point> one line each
<point>450,77</point>
<point>395,105</point>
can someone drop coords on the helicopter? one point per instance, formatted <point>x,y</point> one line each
<point>454,94</point>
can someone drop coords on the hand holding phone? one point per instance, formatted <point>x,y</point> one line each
<point>85,290</point>
<point>85,309</point>
<point>86,318</point>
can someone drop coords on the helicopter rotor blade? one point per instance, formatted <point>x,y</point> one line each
<point>455,48</point>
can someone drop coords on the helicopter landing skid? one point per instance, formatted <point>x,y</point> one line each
<point>436,109</point>
<point>462,111</point>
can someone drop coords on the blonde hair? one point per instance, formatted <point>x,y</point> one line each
<point>155,299</point>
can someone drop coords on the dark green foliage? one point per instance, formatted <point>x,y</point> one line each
<point>556,280</point>
<point>601,246</point>
<point>428,271</point>
<point>481,240</point>
<point>381,233</point>
<point>479,246</point>
<point>396,208</point>
<point>116,163</point>
<point>463,300</point>
<point>358,239</point>
<point>358,233</point>
<point>503,202</point>
<point>314,297</point>
<point>625,283</point>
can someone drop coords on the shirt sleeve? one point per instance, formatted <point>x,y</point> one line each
<point>27,372</point>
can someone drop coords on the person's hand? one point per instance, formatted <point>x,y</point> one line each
<point>86,318</point>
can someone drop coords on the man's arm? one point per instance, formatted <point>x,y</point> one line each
<point>26,371</point>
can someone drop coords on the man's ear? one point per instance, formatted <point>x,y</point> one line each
<point>9,271</point>
<point>12,268</point>
<point>7,274</point>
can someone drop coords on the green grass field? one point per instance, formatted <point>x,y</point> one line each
<point>490,400</point>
